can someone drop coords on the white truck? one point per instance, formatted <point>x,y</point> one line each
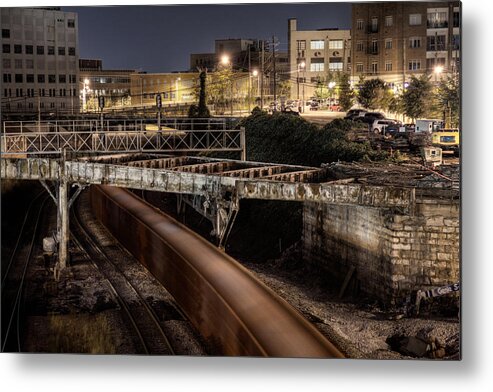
<point>428,125</point>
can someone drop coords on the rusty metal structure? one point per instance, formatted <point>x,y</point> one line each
<point>233,311</point>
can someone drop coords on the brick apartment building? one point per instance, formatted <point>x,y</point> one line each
<point>396,40</point>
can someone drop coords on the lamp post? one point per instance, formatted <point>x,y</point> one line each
<point>331,89</point>
<point>438,70</point>
<point>85,90</point>
<point>255,73</point>
<point>301,66</point>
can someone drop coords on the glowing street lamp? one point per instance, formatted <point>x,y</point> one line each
<point>224,59</point>
<point>438,70</point>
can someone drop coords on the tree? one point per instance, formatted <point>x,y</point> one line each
<point>346,94</point>
<point>448,99</point>
<point>284,88</point>
<point>321,91</point>
<point>202,110</point>
<point>372,93</point>
<point>417,98</point>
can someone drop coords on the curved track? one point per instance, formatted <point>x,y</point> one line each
<point>13,281</point>
<point>137,311</point>
<point>232,310</point>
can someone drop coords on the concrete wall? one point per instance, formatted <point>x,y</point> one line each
<point>394,254</point>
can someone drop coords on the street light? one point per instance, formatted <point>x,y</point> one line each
<point>331,86</point>
<point>438,70</point>
<point>301,66</point>
<point>224,59</point>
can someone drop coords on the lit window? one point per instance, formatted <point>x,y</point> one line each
<point>336,44</point>
<point>316,44</point>
<point>389,21</point>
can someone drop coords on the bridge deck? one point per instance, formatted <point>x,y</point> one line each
<point>213,177</point>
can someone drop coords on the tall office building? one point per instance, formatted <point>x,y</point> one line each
<point>396,40</point>
<point>40,61</point>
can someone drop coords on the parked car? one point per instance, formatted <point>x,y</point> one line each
<point>290,112</point>
<point>314,105</point>
<point>354,113</point>
<point>370,117</point>
<point>385,126</point>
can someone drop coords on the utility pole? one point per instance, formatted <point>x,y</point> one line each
<point>262,79</point>
<point>274,70</point>
<point>249,77</point>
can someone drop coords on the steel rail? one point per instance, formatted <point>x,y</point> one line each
<point>15,313</point>
<point>89,239</point>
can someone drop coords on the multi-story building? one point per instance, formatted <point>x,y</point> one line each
<point>395,40</point>
<point>175,88</point>
<point>40,61</point>
<point>113,84</point>
<point>313,54</point>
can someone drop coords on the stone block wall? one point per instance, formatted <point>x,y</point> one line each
<point>393,253</point>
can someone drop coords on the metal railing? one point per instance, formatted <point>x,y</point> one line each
<point>92,136</point>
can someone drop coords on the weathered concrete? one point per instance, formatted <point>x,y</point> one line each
<point>393,252</point>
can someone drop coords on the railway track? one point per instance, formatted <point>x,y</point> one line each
<point>14,275</point>
<point>136,311</point>
<point>223,300</point>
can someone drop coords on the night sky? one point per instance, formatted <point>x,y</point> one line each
<point>161,38</point>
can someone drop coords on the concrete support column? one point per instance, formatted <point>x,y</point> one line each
<point>63,229</point>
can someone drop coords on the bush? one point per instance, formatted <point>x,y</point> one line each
<point>282,138</point>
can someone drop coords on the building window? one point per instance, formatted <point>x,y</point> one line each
<point>7,78</point>
<point>456,19</point>
<point>5,48</point>
<point>41,92</point>
<point>52,105</point>
<point>72,79</point>
<point>435,43</point>
<point>414,19</point>
<point>388,66</point>
<point>317,44</point>
<point>41,78</point>
<point>374,25</point>
<point>71,23</point>
<point>433,62</point>
<point>374,68</point>
<point>414,65</point>
<point>359,24</point>
<point>51,50</point>
<point>301,45</point>
<point>437,20</point>
<point>414,42</point>
<point>456,42</point>
<point>42,104</point>
<point>40,50</point>
<point>336,44</point>
<point>29,78</point>
<point>19,78</point>
<point>29,64</point>
<point>388,43</point>
<point>374,47</point>
<point>389,21</point>
<point>61,51</point>
<point>62,78</point>
<point>336,65</point>
<point>71,51</point>
<point>18,63</point>
<point>5,33</point>
<point>51,78</point>
<point>359,67</point>
<point>29,49</point>
<point>18,49</point>
<point>317,65</point>
<point>359,46</point>
<point>6,63</point>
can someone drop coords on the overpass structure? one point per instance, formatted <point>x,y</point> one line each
<point>213,187</point>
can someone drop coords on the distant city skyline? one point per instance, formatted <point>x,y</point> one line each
<point>161,38</point>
